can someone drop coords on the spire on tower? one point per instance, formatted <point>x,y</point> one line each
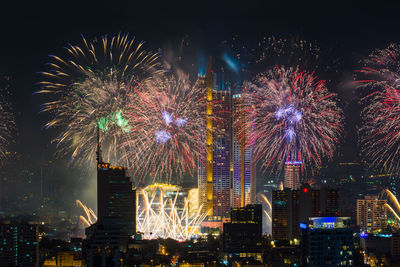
<point>98,152</point>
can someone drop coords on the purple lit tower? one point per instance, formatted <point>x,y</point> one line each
<point>222,129</point>
<point>232,166</point>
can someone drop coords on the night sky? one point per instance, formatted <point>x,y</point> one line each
<point>30,32</point>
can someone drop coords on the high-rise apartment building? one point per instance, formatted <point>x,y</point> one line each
<point>19,244</point>
<point>226,177</point>
<point>371,213</point>
<point>292,174</point>
<point>243,175</point>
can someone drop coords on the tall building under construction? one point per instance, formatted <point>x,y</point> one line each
<point>226,176</point>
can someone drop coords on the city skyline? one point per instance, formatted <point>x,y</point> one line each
<point>198,39</point>
<point>214,133</point>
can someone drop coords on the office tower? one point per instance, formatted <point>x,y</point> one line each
<point>116,207</point>
<point>19,244</point>
<point>292,174</point>
<point>104,243</point>
<point>243,175</point>
<point>116,197</point>
<point>281,206</point>
<point>292,207</point>
<point>371,214</point>
<point>242,236</point>
<point>327,241</point>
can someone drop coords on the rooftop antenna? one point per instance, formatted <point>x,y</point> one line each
<point>98,152</point>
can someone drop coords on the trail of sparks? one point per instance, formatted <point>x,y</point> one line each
<point>379,81</point>
<point>264,200</point>
<point>393,200</point>
<point>91,217</point>
<point>392,211</point>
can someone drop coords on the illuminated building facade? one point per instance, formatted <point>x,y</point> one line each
<point>292,174</point>
<point>169,193</point>
<point>371,213</point>
<point>327,241</point>
<point>226,178</point>
<point>209,141</point>
<point>222,129</point>
<point>243,175</point>
<point>168,211</point>
<point>69,258</point>
<point>19,244</point>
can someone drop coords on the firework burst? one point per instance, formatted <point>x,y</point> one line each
<point>295,118</point>
<point>166,121</point>
<point>379,79</point>
<point>91,87</point>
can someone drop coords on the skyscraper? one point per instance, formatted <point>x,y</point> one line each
<point>371,213</point>
<point>116,197</point>
<point>226,178</point>
<point>281,203</point>
<point>292,207</point>
<point>243,175</point>
<point>116,220</point>
<point>292,174</point>
<point>222,128</point>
